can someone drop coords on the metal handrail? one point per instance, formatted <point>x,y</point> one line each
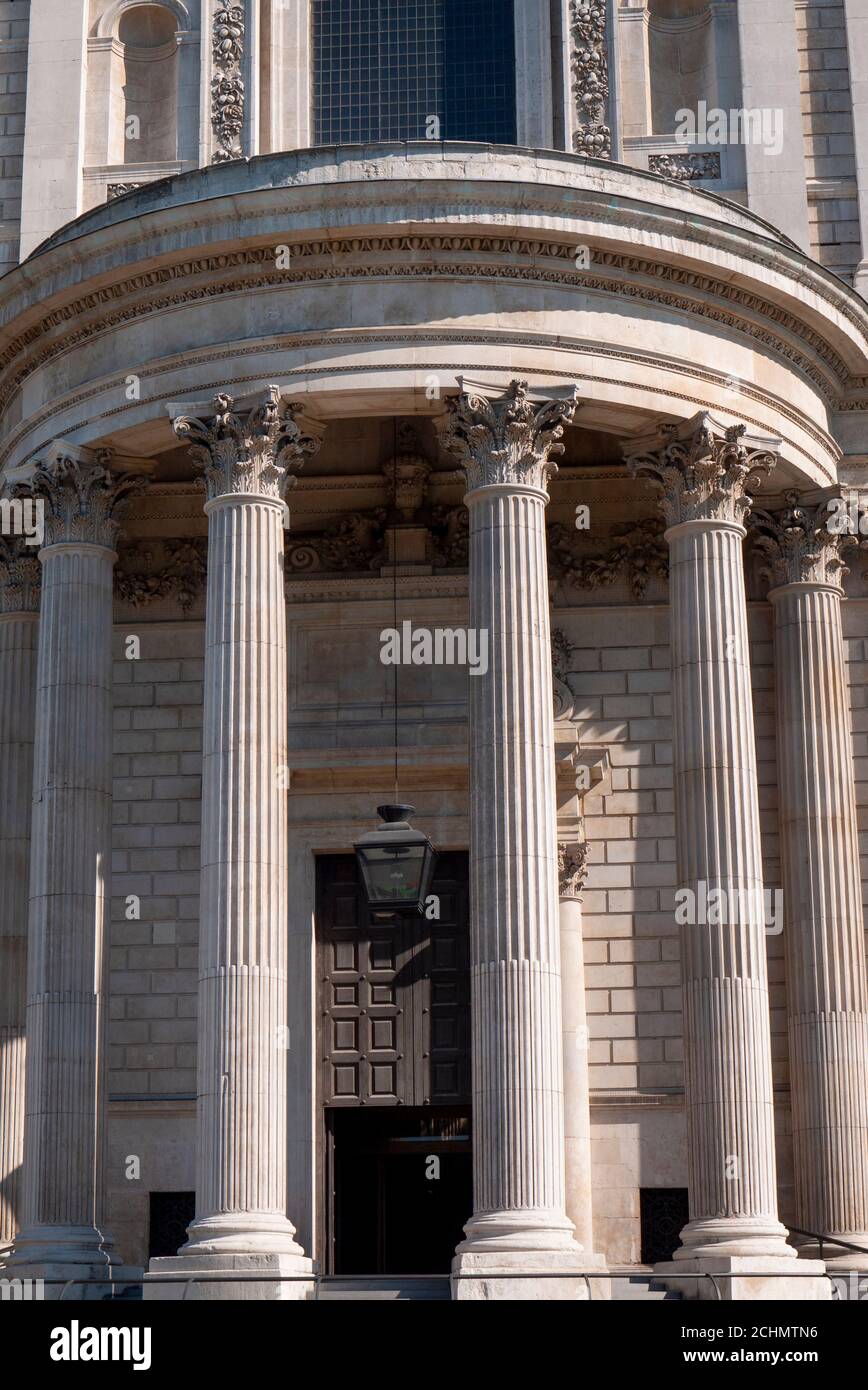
<point>318,1279</point>
<point>829,1240</point>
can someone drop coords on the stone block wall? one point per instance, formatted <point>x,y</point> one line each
<point>14,25</point>
<point>827,114</point>
<point>157,793</point>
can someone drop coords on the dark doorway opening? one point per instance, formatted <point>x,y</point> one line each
<point>403,1189</point>
<point>170,1215</point>
<point>664,1212</point>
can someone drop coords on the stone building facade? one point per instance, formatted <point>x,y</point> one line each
<point>321,322</point>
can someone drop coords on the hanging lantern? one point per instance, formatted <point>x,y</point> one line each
<point>396,861</point>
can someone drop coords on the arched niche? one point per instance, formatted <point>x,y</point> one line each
<point>109,21</point>
<point>681,57</point>
<point>144,117</point>
<point>142,94</point>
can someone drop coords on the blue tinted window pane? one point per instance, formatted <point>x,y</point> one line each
<point>479,70</point>
<point>383,68</point>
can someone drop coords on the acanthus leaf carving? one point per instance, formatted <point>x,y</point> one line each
<point>506,439</point>
<point>256,453</point>
<point>572,868</point>
<point>20,576</point>
<point>797,545</point>
<point>83,500</point>
<point>701,470</point>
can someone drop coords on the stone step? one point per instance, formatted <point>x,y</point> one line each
<point>642,1288</point>
<point>384,1290</point>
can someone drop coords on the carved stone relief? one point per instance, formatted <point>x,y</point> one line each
<point>227,84</point>
<point>637,553</point>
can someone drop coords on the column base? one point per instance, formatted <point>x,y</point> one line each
<point>735,1237</point>
<point>534,1277</point>
<point>190,1280</point>
<point>72,1283</point>
<point>529,1255</point>
<point>838,1260</point>
<point>747,1278</point>
<point>73,1254</point>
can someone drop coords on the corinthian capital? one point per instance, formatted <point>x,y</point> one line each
<point>20,576</point>
<point>507,439</point>
<point>572,869</point>
<point>83,500</point>
<point>801,545</point>
<point>254,453</point>
<point>701,469</point>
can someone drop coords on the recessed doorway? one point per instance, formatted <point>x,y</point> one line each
<point>394,1079</point>
<point>403,1189</point>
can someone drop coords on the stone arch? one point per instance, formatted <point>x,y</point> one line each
<point>109,21</point>
<point>676,9</point>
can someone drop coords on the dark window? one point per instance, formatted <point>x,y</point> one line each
<point>383,68</point>
<point>171,1214</point>
<point>664,1212</point>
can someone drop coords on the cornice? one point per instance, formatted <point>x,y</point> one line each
<point>451,256</point>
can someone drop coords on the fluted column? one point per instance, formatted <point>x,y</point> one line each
<point>19,627</point>
<point>241,1220</point>
<point>823,926</point>
<point>701,472</point>
<point>572,873</point>
<point>64,1147</point>
<point>518,1223</point>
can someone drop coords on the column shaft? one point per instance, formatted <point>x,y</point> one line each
<point>63,1215</point>
<point>519,1225</point>
<point>18,648</point>
<point>518,1085</point>
<point>243,988</point>
<point>825,943</point>
<point>726,1021</point>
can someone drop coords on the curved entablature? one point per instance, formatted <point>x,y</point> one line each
<point>367,280</point>
<point>342,164</point>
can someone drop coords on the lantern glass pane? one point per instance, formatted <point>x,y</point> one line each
<point>393,875</point>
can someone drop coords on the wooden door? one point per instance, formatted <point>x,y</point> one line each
<point>394,1037</point>
<point>394,1018</point>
